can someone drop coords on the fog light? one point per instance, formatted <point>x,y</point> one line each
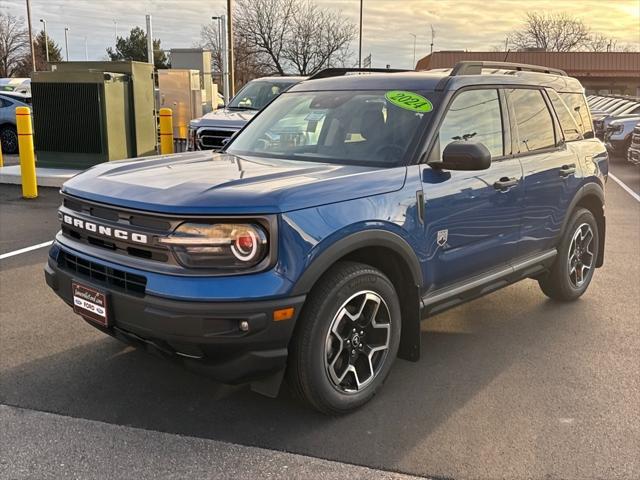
<point>244,326</point>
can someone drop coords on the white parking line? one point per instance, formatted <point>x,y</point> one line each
<point>25,250</point>
<point>626,188</point>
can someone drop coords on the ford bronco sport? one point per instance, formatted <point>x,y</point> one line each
<point>349,209</point>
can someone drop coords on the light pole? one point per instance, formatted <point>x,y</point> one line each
<point>46,39</point>
<point>149,40</point>
<point>86,50</point>
<point>115,31</point>
<point>232,87</point>
<point>360,39</point>
<point>66,42</point>
<point>219,19</point>
<point>414,49</point>
<point>33,53</point>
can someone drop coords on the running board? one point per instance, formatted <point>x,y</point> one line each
<point>445,298</point>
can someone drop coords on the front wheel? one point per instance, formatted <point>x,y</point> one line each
<point>574,266</point>
<point>346,339</point>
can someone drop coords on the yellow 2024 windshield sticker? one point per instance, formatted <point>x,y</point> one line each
<point>409,101</point>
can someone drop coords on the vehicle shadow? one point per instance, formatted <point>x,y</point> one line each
<point>463,351</point>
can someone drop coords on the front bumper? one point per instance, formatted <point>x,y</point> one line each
<point>204,336</point>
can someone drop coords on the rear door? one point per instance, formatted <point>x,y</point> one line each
<point>472,218</point>
<point>550,164</point>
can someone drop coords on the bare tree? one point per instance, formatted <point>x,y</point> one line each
<point>551,32</point>
<point>14,43</point>
<point>265,26</point>
<point>601,43</point>
<point>248,64</point>
<point>318,39</point>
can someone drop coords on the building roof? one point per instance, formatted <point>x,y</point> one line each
<point>576,64</point>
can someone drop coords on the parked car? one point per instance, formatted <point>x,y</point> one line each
<point>618,135</point>
<point>633,153</point>
<point>601,122</point>
<point>216,127</point>
<point>350,208</point>
<point>9,101</point>
<point>17,85</point>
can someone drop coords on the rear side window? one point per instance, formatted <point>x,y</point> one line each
<point>567,122</point>
<point>533,120</point>
<point>474,116</point>
<point>580,111</point>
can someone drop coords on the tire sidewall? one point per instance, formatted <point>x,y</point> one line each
<point>315,356</point>
<point>10,131</point>
<point>581,216</point>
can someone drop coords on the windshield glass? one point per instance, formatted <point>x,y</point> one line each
<point>255,95</point>
<point>352,127</point>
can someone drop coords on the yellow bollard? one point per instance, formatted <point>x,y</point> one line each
<point>166,131</point>
<point>27,157</point>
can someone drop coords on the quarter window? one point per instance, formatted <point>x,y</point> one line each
<point>567,122</point>
<point>580,111</point>
<point>474,116</point>
<point>533,120</point>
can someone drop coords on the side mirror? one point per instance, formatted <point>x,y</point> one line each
<point>461,155</point>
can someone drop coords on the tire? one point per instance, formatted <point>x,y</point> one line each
<point>580,241</point>
<point>321,350</point>
<point>9,139</point>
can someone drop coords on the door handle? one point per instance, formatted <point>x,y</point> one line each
<point>567,170</point>
<point>505,183</point>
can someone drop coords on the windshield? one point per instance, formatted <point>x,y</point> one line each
<point>255,95</point>
<point>353,127</point>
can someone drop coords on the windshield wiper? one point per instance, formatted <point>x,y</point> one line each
<point>242,108</point>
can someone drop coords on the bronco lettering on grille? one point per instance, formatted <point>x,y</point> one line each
<point>104,230</point>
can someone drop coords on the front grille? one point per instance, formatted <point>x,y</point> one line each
<point>131,221</point>
<point>101,274</point>
<point>213,138</point>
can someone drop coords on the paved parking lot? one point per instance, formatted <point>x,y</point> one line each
<point>512,385</point>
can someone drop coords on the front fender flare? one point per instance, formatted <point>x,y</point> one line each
<point>351,243</point>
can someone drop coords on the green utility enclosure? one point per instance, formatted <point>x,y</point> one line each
<point>85,113</point>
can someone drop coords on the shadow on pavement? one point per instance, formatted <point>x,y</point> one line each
<point>104,380</point>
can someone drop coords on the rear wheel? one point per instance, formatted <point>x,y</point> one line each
<point>9,139</point>
<point>574,266</point>
<point>346,339</point>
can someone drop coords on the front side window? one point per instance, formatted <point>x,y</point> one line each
<point>534,123</point>
<point>255,95</point>
<point>473,116</point>
<point>567,122</point>
<point>352,127</point>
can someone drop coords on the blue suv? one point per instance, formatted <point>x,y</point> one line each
<point>350,208</point>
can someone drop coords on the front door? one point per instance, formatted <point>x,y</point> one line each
<point>472,218</point>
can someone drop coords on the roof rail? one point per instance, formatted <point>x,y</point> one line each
<point>338,72</point>
<point>475,68</point>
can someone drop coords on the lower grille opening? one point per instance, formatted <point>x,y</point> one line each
<point>101,274</point>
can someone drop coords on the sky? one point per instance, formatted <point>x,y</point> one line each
<point>387,24</point>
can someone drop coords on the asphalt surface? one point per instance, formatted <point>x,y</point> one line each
<point>512,385</point>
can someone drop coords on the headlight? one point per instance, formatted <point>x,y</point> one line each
<point>221,245</point>
<point>191,139</point>
<point>616,128</point>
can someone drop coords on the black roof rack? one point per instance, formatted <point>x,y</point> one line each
<point>338,72</point>
<point>475,68</point>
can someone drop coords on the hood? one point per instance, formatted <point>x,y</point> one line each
<point>206,182</point>
<point>625,119</point>
<point>225,118</point>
